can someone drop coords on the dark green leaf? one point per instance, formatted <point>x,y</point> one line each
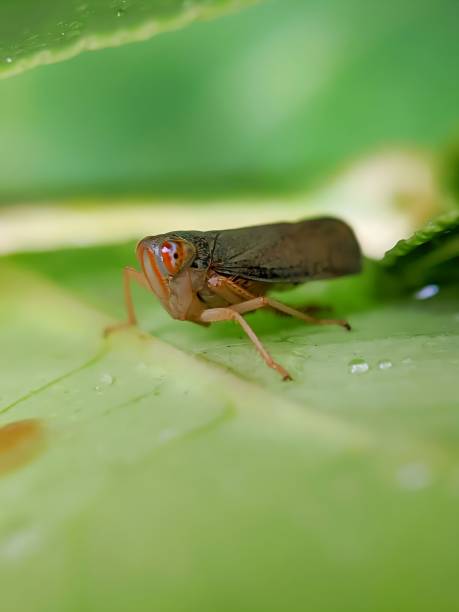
<point>431,255</point>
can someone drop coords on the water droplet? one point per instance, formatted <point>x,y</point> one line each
<point>120,12</point>
<point>166,435</point>
<point>9,60</point>
<point>20,544</point>
<point>104,381</point>
<point>427,292</point>
<point>385,364</point>
<point>358,366</point>
<point>414,476</point>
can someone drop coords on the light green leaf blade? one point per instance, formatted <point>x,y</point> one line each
<point>180,473</point>
<point>35,33</point>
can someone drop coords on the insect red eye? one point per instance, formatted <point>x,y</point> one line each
<point>173,255</point>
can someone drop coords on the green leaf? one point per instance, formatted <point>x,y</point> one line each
<point>34,33</point>
<point>429,255</point>
<point>271,99</point>
<point>176,472</point>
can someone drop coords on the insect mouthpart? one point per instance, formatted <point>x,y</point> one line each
<point>149,257</point>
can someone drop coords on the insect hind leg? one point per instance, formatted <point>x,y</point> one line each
<point>267,302</point>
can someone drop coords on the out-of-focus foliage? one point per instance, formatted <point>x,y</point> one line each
<point>451,167</point>
<point>384,197</point>
<point>34,33</point>
<point>269,99</point>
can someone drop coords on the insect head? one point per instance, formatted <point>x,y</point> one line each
<point>162,258</point>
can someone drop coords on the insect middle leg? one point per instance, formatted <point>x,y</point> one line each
<point>266,302</point>
<point>129,274</point>
<point>212,315</point>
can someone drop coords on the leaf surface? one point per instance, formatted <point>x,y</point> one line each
<point>178,472</point>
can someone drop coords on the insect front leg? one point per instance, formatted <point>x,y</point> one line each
<point>262,302</point>
<point>129,274</point>
<point>213,315</point>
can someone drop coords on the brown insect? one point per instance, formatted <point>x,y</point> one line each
<point>206,277</point>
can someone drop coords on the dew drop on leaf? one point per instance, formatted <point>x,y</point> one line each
<point>414,476</point>
<point>104,381</point>
<point>385,364</point>
<point>166,435</point>
<point>427,292</point>
<point>19,544</point>
<point>358,366</point>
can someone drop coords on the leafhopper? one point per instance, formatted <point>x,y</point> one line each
<point>213,276</point>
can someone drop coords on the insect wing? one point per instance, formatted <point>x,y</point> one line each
<point>288,252</point>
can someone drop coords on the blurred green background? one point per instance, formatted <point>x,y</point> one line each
<point>271,99</point>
